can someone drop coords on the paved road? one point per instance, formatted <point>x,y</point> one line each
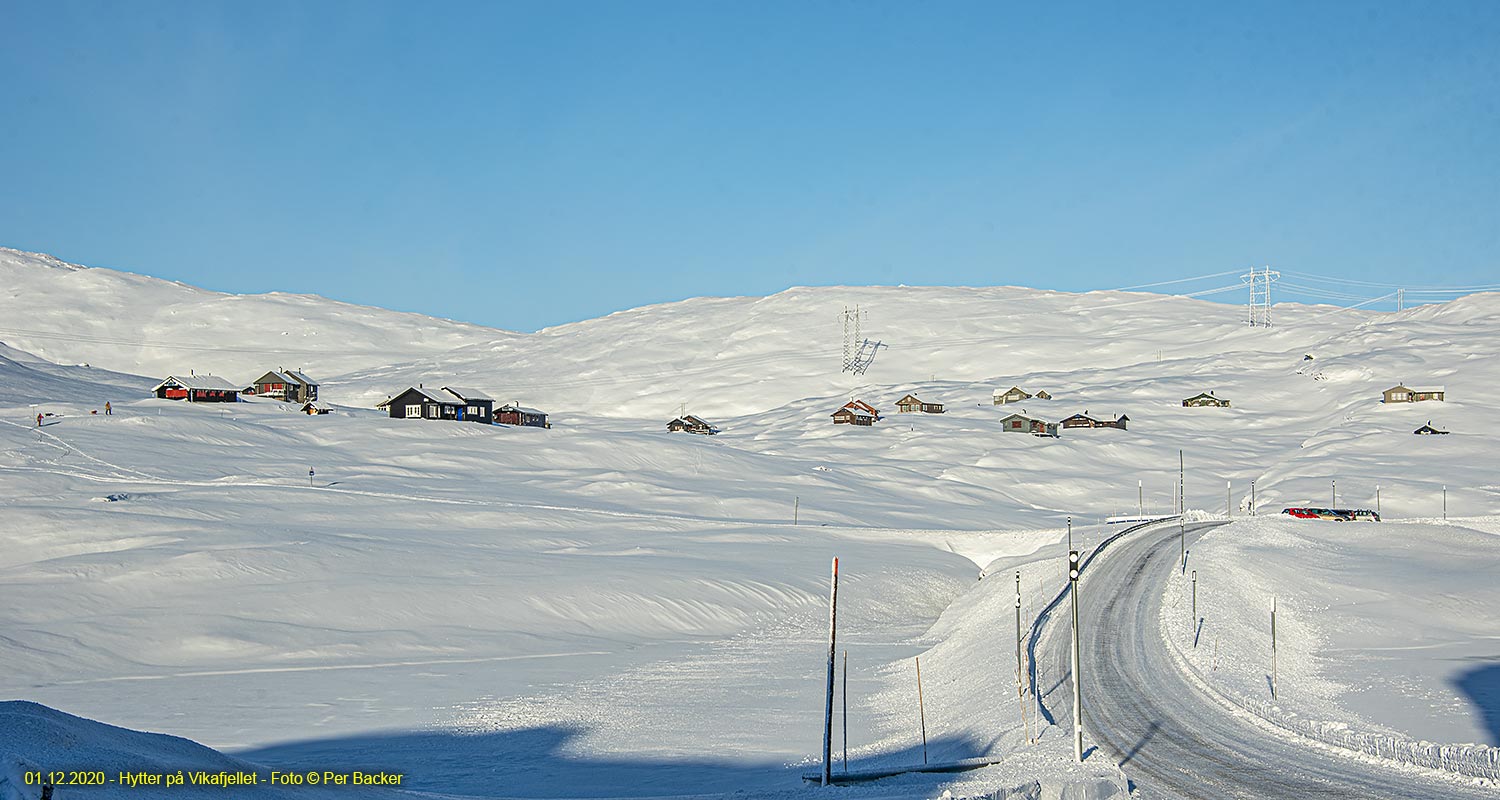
<point>1171,740</point>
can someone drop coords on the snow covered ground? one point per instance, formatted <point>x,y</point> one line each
<point>1388,628</point>
<point>635,609</point>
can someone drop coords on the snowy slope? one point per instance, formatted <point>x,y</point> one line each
<point>439,582</point>
<point>28,379</point>
<point>147,326</point>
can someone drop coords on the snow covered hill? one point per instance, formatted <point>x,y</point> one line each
<point>69,314</point>
<point>27,379</point>
<point>446,581</point>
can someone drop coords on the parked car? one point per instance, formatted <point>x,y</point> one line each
<point>1335,514</point>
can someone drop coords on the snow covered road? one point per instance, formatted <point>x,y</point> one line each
<point>1170,737</point>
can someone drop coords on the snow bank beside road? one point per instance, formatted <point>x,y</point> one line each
<point>1385,632</point>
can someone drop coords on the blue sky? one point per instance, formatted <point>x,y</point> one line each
<point>528,164</point>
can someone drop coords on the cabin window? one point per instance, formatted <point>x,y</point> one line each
<point>413,411</point>
<point>476,411</point>
<point>434,411</point>
<point>1016,424</point>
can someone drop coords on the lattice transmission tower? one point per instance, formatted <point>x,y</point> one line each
<point>852,319</point>
<point>1259,309</point>
<point>859,352</point>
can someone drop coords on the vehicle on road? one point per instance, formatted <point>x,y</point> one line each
<point>1335,514</point>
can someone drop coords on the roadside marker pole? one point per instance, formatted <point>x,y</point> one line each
<point>1140,498</point>
<point>1445,503</point>
<point>1020,670</point>
<point>921,710</point>
<point>1194,627</point>
<point>1334,500</point>
<point>1073,567</point>
<point>1252,498</point>
<point>1228,499</point>
<point>1181,485</point>
<point>833,616</point>
<point>1273,648</point>
<point>845,715</point>
<point>796,502</point>
<point>1377,499</point>
<point>1182,542</point>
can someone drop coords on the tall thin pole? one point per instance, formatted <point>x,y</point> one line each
<point>1140,498</point>
<point>796,504</point>
<point>1377,499</point>
<point>833,617</point>
<point>1195,602</point>
<point>1445,503</point>
<point>845,715</point>
<point>1019,669</point>
<point>1273,648</point>
<point>1070,533</point>
<point>1228,498</point>
<point>1182,542</point>
<point>1334,500</point>
<point>1252,498</point>
<point>1181,485</point>
<point>1073,573</point>
<point>921,709</point>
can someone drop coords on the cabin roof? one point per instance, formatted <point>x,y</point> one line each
<point>430,394</point>
<point>467,394</point>
<point>198,382</point>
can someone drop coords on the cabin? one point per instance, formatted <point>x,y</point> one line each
<point>418,402</point>
<point>197,389</point>
<point>1085,421</point>
<point>1014,394</point>
<point>478,406</point>
<point>314,409</point>
<point>517,414</point>
<point>853,415</point>
<point>688,423</point>
<point>1428,430</point>
<point>1205,399</point>
<point>1405,394</point>
<point>910,403</point>
<point>285,384</point>
<point>1020,423</point>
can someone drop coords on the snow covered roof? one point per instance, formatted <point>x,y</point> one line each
<point>854,411</point>
<point>274,376</point>
<point>467,394</point>
<point>198,382</point>
<point>1025,417</point>
<point>430,394</point>
<point>299,377</point>
<point>522,409</point>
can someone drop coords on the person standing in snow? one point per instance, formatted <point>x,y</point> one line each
<point>39,420</point>
<point>108,411</point>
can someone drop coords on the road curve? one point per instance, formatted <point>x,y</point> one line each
<point>1171,739</point>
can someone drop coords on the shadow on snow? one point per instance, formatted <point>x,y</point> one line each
<point>544,762</point>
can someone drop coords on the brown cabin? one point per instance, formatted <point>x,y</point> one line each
<point>688,423</point>
<point>910,403</point>
<point>1085,421</point>
<point>856,412</point>
<point>1428,430</point>
<point>1404,394</point>
<point>1205,399</point>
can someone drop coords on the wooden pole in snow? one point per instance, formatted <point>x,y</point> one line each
<point>845,715</point>
<point>796,505</point>
<point>921,709</point>
<point>833,618</point>
<point>1273,648</point>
